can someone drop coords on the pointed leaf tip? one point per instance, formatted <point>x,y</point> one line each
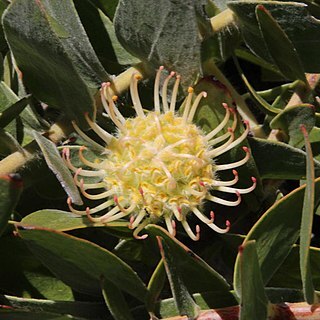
<point>262,8</point>
<point>304,130</point>
<point>14,179</point>
<point>307,223</point>
<point>240,249</point>
<point>58,167</point>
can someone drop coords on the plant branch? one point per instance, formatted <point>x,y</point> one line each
<point>18,159</point>
<point>222,20</point>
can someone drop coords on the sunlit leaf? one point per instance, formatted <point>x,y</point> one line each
<point>56,164</point>
<point>8,144</point>
<point>161,33</point>
<point>183,300</point>
<point>197,275</point>
<point>221,4</point>
<point>52,51</point>
<point>253,299</point>
<point>155,285</point>
<point>167,308</point>
<point>306,224</point>
<point>11,113</point>
<point>108,7</point>
<point>16,116</point>
<point>57,220</point>
<point>290,119</point>
<point>283,222</point>
<point>66,221</point>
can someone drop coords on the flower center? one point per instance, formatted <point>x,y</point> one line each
<point>158,163</point>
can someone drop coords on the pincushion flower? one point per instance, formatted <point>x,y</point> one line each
<point>159,165</point>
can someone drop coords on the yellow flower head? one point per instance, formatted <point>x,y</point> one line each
<point>159,165</point>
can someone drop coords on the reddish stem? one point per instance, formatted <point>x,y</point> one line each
<point>284,311</point>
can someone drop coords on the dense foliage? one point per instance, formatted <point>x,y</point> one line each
<point>258,56</point>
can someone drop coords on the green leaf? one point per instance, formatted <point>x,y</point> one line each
<point>224,249</point>
<point>314,137</point>
<point>155,285</point>
<point>183,300</point>
<point>129,249</point>
<point>13,111</point>
<point>57,61</point>
<point>10,190</point>
<point>3,43</point>
<point>83,272</point>
<point>171,39</point>
<point>65,221</point>
<point>261,102</point>
<point>115,301</point>
<point>280,47</point>
<point>283,161</point>
<point>23,275</point>
<point>306,224</point>
<point>289,274</point>
<point>197,275</point>
<point>27,315</point>
<point>101,33</point>
<point>166,308</point>
<point>253,299</point>
<point>290,119</point>
<point>294,19</point>
<point>57,220</point>
<point>282,221</point>
<point>108,7</point>
<point>56,164</point>
<point>88,310</point>
<point>245,54</point>
<point>221,4</point>
<point>8,144</point>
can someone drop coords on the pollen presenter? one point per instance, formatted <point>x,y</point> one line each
<point>159,165</point>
